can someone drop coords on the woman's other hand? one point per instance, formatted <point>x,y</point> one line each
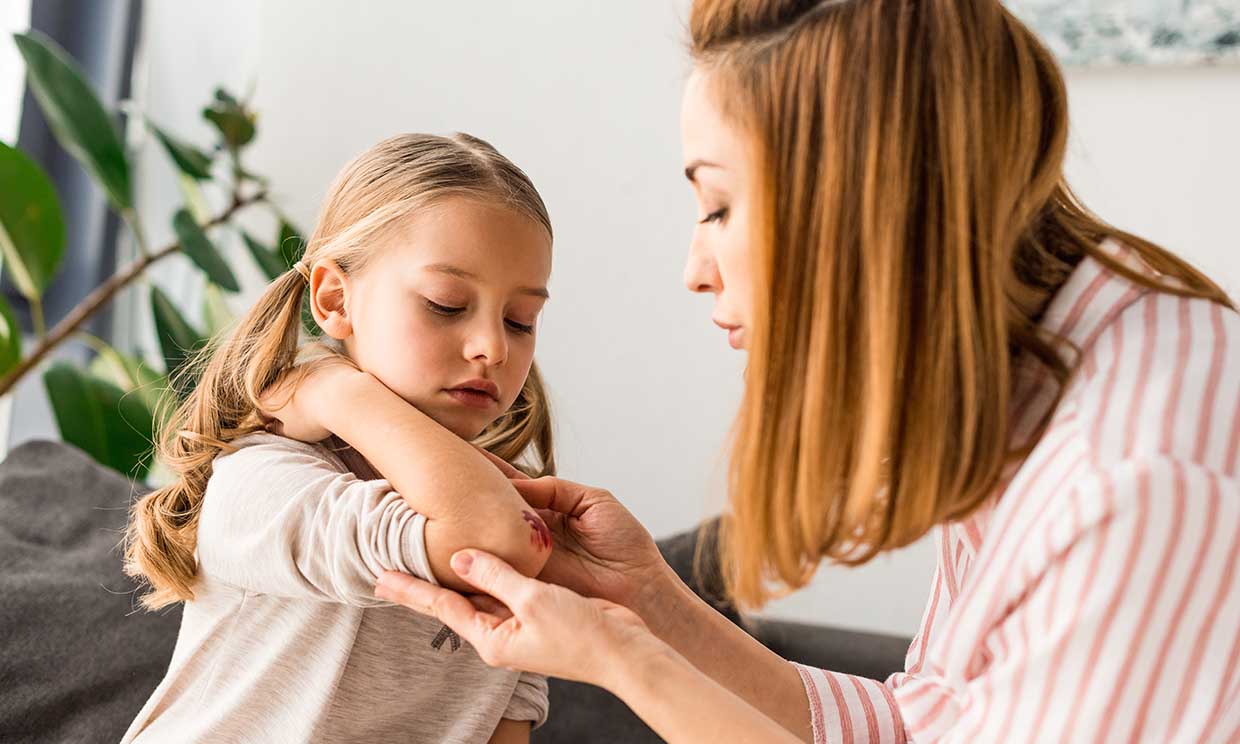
<point>527,624</point>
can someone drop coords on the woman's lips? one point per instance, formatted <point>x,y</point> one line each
<point>734,338</point>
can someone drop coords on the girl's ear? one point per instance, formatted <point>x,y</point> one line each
<point>329,294</point>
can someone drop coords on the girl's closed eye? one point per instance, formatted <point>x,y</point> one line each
<point>452,311</point>
<point>526,328</point>
<point>716,216</point>
<point>441,309</point>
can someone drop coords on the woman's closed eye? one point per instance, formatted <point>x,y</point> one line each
<point>716,216</point>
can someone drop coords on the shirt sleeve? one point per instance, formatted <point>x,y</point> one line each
<point>281,518</point>
<point>1128,631</point>
<point>529,700</point>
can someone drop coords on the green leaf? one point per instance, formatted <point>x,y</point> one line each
<point>231,117</point>
<point>77,118</point>
<point>193,162</point>
<point>10,338</point>
<point>130,374</point>
<point>271,262</point>
<point>216,311</point>
<point>177,338</point>
<point>290,244</point>
<point>114,428</point>
<point>195,200</point>
<point>201,251</point>
<point>32,231</point>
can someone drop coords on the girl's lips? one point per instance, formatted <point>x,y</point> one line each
<point>472,398</point>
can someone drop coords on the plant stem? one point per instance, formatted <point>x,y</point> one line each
<point>102,294</point>
<point>36,318</point>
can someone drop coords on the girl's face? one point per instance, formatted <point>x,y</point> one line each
<point>721,169</point>
<point>446,315</point>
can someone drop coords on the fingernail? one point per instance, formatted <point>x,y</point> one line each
<point>461,563</point>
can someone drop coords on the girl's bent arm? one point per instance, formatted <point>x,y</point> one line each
<point>466,500</point>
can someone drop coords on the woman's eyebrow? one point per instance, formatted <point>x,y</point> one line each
<point>450,270</point>
<point>691,168</point>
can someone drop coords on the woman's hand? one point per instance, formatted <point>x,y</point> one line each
<point>527,624</point>
<point>293,407</point>
<point>600,549</point>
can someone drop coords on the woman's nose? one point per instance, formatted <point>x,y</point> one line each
<point>701,273</point>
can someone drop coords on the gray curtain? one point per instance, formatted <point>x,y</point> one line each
<point>101,35</point>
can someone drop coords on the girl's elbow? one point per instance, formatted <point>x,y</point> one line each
<point>523,541</point>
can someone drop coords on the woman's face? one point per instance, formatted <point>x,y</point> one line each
<point>719,165</point>
<point>446,315</point>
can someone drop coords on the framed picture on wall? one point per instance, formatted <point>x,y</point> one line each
<point>1136,32</point>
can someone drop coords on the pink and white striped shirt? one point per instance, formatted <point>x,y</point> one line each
<point>1097,597</point>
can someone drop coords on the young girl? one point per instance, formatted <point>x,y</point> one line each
<point>426,274</point>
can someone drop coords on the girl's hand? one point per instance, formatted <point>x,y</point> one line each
<point>540,627</point>
<point>293,407</point>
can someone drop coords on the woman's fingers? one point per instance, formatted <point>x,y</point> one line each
<point>490,605</point>
<point>552,493</point>
<point>492,576</point>
<point>450,608</point>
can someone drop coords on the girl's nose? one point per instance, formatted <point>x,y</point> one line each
<point>487,343</point>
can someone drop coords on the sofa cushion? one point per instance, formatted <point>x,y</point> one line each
<point>79,659</point>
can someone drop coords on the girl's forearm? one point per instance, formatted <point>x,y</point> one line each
<point>684,705</point>
<point>725,653</point>
<point>467,501</point>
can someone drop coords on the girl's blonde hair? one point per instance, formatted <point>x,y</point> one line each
<point>914,223</point>
<point>369,198</point>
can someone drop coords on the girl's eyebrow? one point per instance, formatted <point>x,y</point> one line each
<point>457,271</point>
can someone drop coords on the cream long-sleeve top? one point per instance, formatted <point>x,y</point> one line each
<point>1096,597</point>
<point>284,641</point>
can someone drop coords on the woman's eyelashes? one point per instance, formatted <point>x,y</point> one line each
<point>449,311</point>
<point>716,216</point>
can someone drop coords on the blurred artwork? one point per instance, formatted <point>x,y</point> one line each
<point>1136,32</point>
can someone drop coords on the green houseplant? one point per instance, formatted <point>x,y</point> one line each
<point>109,407</point>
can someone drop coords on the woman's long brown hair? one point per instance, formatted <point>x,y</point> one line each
<point>915,223</point>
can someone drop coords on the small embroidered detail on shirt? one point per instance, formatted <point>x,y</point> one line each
<point>446,634</point>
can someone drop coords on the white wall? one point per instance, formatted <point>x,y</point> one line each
<point>585,97</point>
<point>14,17</point>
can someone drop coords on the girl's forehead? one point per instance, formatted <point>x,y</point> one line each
<point>471,241</point>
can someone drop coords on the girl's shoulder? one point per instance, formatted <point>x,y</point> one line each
<point>263,456</point>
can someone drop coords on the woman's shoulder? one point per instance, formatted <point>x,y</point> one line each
<point>1161,379</point>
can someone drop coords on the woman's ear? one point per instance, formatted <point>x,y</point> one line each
<point>329,295</point>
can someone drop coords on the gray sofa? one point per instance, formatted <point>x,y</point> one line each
<point>78,659</point>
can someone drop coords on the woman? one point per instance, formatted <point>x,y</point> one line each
<point>940,338</point>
